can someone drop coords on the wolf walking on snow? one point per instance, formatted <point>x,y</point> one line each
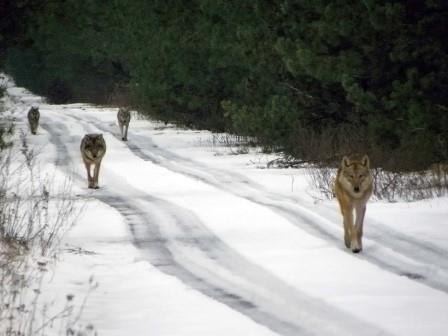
<point>353,188</point>
<point>33,119</point>
<point>93,148</point>
<point>124,117</point>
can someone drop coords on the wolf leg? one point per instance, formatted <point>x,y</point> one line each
<point>359,224</point>
<point>353,233</point>
<point>125,138</point>
<point>33,127</point>
<point>121,130</point>
<point>346,233</point>
<point>96,173</point>
<point>89,176</point>
<point>349,230</point>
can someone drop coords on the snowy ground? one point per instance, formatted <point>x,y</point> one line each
<point>185,238</point>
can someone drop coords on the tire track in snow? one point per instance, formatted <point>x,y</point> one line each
<point>214,269</point>
<point>418,260</point>
<point>147,237</point>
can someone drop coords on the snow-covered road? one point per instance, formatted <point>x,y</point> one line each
<point>187,242</point>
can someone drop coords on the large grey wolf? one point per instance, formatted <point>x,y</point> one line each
<point>33,119</point>
<point>353,188</point>
<point>124,117</point>
<point>93,148</point>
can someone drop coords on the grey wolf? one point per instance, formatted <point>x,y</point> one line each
<point>93,148</point>
<point>124,117</point>
<point>33,119</point>
<point>353,188</point>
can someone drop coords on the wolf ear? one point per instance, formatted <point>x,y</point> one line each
<point>365,161</point>
<point>345,162</point>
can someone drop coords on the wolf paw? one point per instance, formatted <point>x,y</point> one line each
<point>356,247</point>
<point>347,241</point>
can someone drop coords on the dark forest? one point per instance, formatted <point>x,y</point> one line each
<point>315,79</point>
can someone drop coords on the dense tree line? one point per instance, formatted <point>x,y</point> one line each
<point>314,78</point>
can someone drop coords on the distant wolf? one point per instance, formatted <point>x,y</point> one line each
<point>440,174</point>
<point>93,148</point>
<point>124,117</point>
<point>353,188</point>
<point>33,119</point>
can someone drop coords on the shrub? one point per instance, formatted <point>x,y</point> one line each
<point>34,216</point>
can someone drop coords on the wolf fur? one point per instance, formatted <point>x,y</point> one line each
<point>33,119</point>
<point>353,188</point>
<point>124,117</point>
<point>93,148</point>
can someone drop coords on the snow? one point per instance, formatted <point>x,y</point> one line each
<point>186,238</point>
<point>134,297</point>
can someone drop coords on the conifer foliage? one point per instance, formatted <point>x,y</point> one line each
<point>363,75</point>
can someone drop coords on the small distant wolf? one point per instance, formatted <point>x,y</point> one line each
<point>33,119</point>
<point>440,173</point>
<point>353,188</point>
<point>93,148</point>
<point>124,117</point>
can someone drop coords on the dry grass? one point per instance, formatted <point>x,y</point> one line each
<point>399,174</point>
<point>35,213</point>
<point>390,186</point>
<point>231,144</point>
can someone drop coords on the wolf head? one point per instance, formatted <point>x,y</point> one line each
<point>124,114</point>
<point>94,145</point>
<point>34,112</point>
<point>355,176</point>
